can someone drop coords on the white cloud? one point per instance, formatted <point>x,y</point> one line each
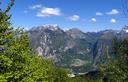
<point>46,12</point>
<point>113,12</point>
<point>93,20</point>
<point>35,6</point>
<point>99,13</point>
<point>74,18</point>
<point>113,21</point>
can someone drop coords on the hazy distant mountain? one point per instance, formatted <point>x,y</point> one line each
<point>73,48</point>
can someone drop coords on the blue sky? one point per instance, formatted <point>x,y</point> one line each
<point>87,15</point>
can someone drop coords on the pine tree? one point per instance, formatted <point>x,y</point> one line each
<point>5,36</point>
<point>116,66</point>
<point>17,62</point>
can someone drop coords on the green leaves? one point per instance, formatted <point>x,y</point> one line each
<point>17,62</point>
<point>116,67</point>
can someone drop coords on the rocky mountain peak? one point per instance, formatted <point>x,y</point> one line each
<point>52,27</point>
<point>74,30</point>
<point>75,33</point>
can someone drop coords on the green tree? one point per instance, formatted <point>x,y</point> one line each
<point>17,62</point>
<point>116,66</point>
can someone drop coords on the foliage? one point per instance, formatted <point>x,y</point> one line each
<point>17,62</point>
<point>116,66</point>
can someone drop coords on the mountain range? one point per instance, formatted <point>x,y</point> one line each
<point>73,49</point>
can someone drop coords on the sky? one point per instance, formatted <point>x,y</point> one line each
<point>86,15</point>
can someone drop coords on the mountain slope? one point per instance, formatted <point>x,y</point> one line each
<point>73,48</point>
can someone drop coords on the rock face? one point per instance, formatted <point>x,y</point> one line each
<point>73,48</point>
